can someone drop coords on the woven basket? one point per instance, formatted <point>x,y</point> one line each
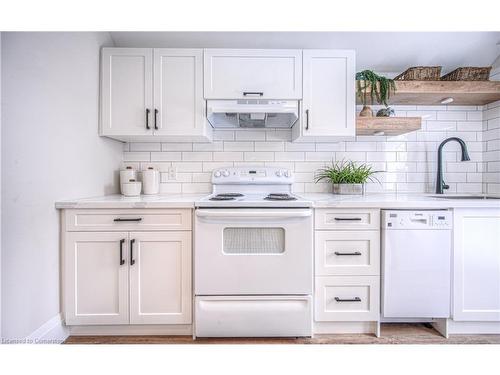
<point>420,73</point>
<point>468,74</point>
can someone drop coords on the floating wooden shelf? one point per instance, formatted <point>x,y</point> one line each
<point>432,92</point>
<point>387,125</point>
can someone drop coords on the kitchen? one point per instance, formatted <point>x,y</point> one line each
<point>205,203</point>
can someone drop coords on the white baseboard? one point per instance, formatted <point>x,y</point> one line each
<point>51,332</point>
<point>473,328</point>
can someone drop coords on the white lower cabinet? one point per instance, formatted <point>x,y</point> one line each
<point>96,278</point>
<point>347,270</point>
<point>160,278</point>
<point>141,277</point>
<point>476,281</point>
<point>347,298</point>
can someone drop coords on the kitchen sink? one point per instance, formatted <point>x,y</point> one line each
<point>466,196</point>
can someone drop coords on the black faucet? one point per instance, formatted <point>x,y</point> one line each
<point>440,185</point>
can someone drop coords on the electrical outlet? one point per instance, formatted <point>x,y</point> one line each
<point>172,173</point>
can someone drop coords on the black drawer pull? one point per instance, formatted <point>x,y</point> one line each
<point>147,118</point>
<point>355,299</point>
<point>132,261</point>
<point>347,219</point>
<point>259,93</point>
<point>135,219</point>
<point>354,253</point>
<point>156,119</point>
<point>122,261</point>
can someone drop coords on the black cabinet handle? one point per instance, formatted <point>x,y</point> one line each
<point>122,261</point>
<point>132,261</point>
<point>355,299</point>
<point>156,115</point>
<point>259,93</point>
<point>354,253</point>
<point>307,119</point>
<point>135,219</point>
<point>347,219</point>
<point>147,118</point>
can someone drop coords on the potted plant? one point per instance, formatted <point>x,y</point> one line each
<point>379,88</point>
<point>346,176</point>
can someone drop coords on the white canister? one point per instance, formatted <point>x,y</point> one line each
<point>151,181</point>
<point>132,188</point>
<point>127,174</point>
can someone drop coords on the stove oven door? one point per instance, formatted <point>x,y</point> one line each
<point>250,251</point>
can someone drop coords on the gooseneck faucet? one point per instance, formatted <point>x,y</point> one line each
<point>440,184</point>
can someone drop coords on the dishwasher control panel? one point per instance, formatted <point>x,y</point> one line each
<point>404,219</point>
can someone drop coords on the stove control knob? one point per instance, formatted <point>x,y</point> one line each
<point>217,174</point>
<point>279,173</point>
<point>287,173</point>
<point>225,173</point>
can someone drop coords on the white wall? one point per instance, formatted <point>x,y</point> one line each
<point>409,161</point>
<point>0,185</point>
<point>50,151</point>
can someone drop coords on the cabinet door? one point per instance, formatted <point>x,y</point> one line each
<point>178,92</point>
<point>477,264</point>
<point>160,278</point>
<point>329,104</point>
<point>251,73</point>
<point>96,278</point>
<point>126,91</point>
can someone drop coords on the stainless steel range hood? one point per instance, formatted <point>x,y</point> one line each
<point>252,113</point>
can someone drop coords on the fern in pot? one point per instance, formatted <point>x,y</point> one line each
<point>347,177</point>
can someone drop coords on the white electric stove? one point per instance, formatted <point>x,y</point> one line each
<point>253,260</point>
<point>252,187</point>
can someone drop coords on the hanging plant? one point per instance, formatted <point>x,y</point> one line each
<point>381,88</point>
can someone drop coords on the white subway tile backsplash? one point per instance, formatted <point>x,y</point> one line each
<point>452,115</point>
<point>166,156</point>
<point>145,147</point>
<point>408,161</point>
<point>238,146</point>
<point>250,135</point>
<point>228,156</point>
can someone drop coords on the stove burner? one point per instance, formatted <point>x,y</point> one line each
<point>218,198</point>
<point>225,197</point>
<point>232,195</point>
<point>280,197</point>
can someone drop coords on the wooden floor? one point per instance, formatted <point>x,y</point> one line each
<point>391,334</point>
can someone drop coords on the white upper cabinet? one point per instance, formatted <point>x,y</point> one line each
<point>329,101</point>
<point>250,73</point>
<point>126,91</point>
<point>476,278</point>
<point>179,107</point>
<point>153,95</point>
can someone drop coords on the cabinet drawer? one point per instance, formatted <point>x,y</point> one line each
<point>347,298</point>
<point>128,219</point>
<point>347,252</point>
<point>347,219</point>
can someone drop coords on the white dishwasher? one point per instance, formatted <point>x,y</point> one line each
<point>416,263</point>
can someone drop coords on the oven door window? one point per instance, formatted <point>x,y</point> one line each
<point>254,241</point>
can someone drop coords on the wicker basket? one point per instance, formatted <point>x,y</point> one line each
<point>468,74</point>
<point>420,73</point>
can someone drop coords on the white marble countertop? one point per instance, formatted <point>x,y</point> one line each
<point>321,200</point>
<point>397,201</point>
<point>143,201</point>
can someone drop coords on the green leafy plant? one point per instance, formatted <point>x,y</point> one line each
<point>346,172</point>
<point>381,88</point>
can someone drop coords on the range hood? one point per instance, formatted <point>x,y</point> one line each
<point>252,113</point>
